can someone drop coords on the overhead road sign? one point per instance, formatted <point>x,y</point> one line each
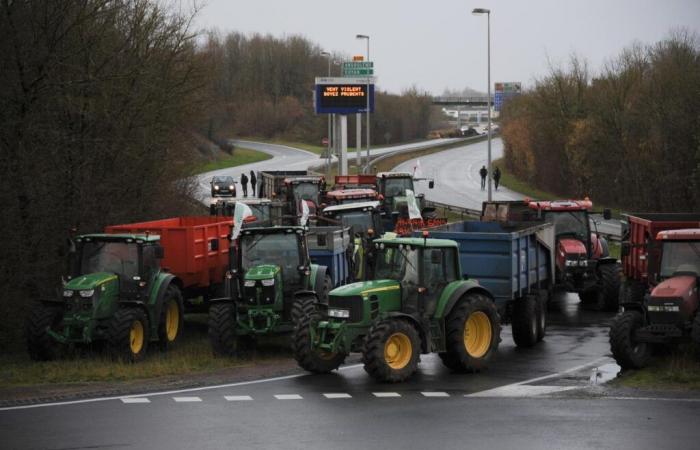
<point>357,68</point>
<point>505,91</point>
<point>343,95</point>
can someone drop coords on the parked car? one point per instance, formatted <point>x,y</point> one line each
<point>223,186</point>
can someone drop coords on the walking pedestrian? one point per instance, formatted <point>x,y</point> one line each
<point>253,182</point>
<point>483,172</point>
<point>496,176</point>
<point>244,184</point>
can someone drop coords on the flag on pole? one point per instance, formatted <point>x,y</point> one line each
<point>417,172</point>
<point>239,214</point>
<point>412,203</point>
<point>304,213</point>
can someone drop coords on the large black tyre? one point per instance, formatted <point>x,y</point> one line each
<point>471,344</point>
<point>631,291</point>
<point>392,350</point>
<point>542,307</point>
<point>526,321</point>
<point>301,308</point>
<point>305,354</point>
<point>172,319</point>
<point>695,330</point>
<point>128,334</point>
<point>40,345</point>
<point>325,289</point>
<point>610,276</point>
<point>222,329</point>
<point>628,353</point>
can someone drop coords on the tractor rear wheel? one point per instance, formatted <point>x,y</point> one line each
<point>128,334</point>
<point>40,345</point>
<point>172,318</point>
<point>473,332</point>
<point>307,356</point>
<point>526,312</point>
<point>542,306</point>
<point>610,285</point>
<point>222,329</point>
<point>627,351</point>
<point>392,350</point>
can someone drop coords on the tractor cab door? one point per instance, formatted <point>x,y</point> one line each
<point>439,268</point>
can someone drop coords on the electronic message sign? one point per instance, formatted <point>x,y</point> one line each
<point>343,96</point>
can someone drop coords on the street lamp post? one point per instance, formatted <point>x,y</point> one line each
<point>366,168</point>
<point>328,154</point>
<point>480,11</point>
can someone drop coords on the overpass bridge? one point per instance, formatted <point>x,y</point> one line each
<point>476,102</point>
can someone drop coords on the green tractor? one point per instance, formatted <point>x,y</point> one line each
<point>418,302</point>
<point>116,294</point>
<point>269,272</point>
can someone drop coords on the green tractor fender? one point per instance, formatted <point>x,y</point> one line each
<point>154,306</point>
<point>453,292</point>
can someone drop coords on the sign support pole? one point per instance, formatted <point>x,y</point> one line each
<point>358,141</point>
<point>341,127</point>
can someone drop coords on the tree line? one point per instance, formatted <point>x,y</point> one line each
<point>629,136</point>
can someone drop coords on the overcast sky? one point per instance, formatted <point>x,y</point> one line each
<point>438,44</point>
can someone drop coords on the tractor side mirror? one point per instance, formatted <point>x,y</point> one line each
<point>625,249</point>
<point>435,257</point>
<point>607,214</point>
<point>160,252</point>
<point>431,184</point>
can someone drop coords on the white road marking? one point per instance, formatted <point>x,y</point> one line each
<point>238,398</point>
<point>653,399</point>
<point>435,394</point>
<point>187,399</point>
<point>522,391</point>
<point>386,394</point>
<point>135,400</point>
<point>338,395</point>
<point>288,397</point>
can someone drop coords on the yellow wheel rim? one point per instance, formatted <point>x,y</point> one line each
<point>398,351</point>
<point>136,337</point>
<point>172,320</point>
<point>477,334</point>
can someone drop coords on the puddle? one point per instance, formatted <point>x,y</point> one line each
<point>603,374</point>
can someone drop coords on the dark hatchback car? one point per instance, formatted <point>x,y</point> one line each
<point>223,187</point>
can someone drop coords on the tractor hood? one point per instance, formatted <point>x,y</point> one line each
<point>362,288</point>
<point>90,281</point>
<point>262,272</point>
<point>572,247</point>
<point>677,287</point>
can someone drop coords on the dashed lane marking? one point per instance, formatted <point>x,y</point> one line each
<point>435,394</point>
<point>386,394</point>
<point>135,400</point>
<point>288,397</point>
<point>522,391</point>
<point>238,398</point>
<point>337,395</point>
<point>187,399</point>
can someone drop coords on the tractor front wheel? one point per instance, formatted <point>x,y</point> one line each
<point>627,351</point>
<point>172,320</point>
<point>526,321</point>
<point>40,345</point>
<point>610,275</point>
<point>392,350</point>
<point>222,329</point>
<point>473,332</point>
<point>128,334</point>
<point>305,352</point>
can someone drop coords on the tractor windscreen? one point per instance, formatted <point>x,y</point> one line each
<point>306,191</point>
<point>397,263</point>
<point>680,257</point>
<point>359,221</point>
<point>261,212</point>
<point>277,249</point>
<point>569,222</point>
<point>120,258</point>
<point>396,187</point>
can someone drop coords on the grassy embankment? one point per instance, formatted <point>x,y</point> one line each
<point>678,371</point>
<point>241,155</point>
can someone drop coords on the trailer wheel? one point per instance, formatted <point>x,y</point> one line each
<point>610,283</point>
<point>172,318</point>
<point>303,345</point>
<point>128,334</point>
<point>222,329</point>
<point>473,332</point>
<point>542,305</point>
<point>40,345</point>
<point>526,321</point>
<point>392,350</point>
<point>629,353</point>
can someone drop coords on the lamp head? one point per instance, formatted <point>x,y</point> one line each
<point>479,11</point>
<point>361,36</point>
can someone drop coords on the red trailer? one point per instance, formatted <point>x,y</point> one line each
<point>355,181</point>
<point>195,249</point>
<point>641,250</point>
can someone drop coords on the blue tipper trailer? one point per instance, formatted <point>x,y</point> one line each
<point>328,247</point>
<point>514,261</point>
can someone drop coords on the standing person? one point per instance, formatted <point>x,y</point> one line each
<point>253,181</point>
<point>496,176</point>
<point>244,183</point>
<point>483,172</point>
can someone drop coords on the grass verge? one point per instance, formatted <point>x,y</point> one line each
<point>678,371</point>
<point>241,155</point>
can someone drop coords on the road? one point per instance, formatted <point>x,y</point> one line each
<point>457,180</point>
<point>523,401</point>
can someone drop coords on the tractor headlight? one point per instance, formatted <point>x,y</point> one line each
<point>87,293</point>
<point>67,293</point>
<point>269,282</point>
<point>571,263</point>
<point>339,313</point>
<point>249,283</point>
<point>584,263</point>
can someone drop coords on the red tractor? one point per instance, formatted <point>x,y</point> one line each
<point>669,313</point>
<point>583,261</point>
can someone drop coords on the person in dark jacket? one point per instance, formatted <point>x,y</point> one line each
<point>244,183</point>
<point>496,177</point>
<point>253,181</point>
<point>483,172</point>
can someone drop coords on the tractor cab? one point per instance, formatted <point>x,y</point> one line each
<point>392,187</point>
<point>307,189</point>
<point>264,212</point>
